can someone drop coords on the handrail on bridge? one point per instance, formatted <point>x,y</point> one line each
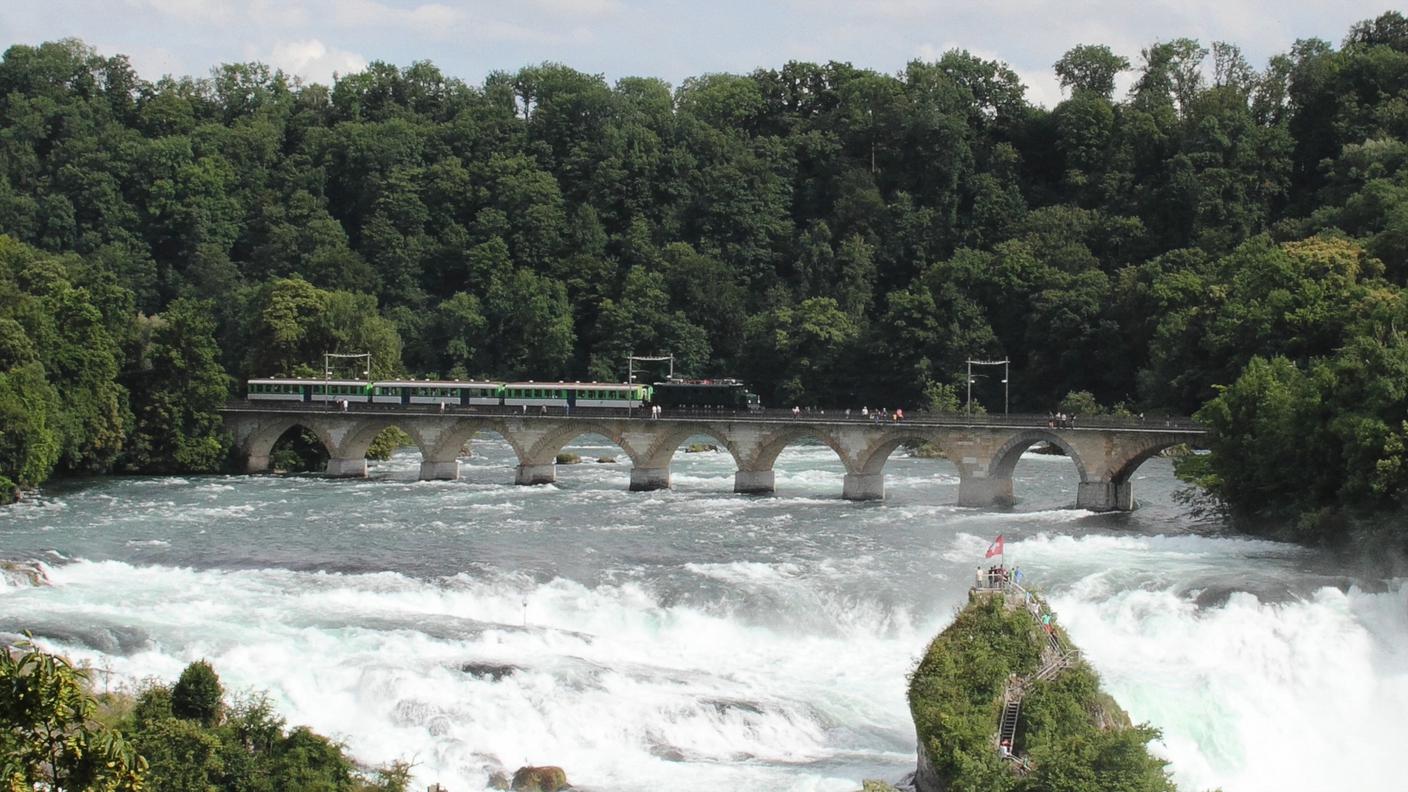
<point>916,418</point>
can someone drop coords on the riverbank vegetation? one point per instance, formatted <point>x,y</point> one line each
<point>1073,735</point>
<point>1220,235</point>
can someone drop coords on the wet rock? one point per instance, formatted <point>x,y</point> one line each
<point>697,448</point>
<point>606,460</point>
<point>568,459</point>
<point>539,779</point>
<point>23,573</point>
<point>492,671</point>
<point>498,780</point>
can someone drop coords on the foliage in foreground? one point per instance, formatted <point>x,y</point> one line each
<point>1076,737</point>
<point>195,740</point>
<point>184,737</point>
<point>49,740</point>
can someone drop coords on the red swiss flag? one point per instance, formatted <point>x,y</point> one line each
<point>995,548</point>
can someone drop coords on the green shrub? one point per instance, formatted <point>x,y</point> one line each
<point>197,694</point>
<point>386,443</point>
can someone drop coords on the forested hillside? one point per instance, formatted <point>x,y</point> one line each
<point>834,235</point>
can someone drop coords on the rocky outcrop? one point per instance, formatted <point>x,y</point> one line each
<point>539,779</point>
<point>1004,663</point>
<point>490,671</point>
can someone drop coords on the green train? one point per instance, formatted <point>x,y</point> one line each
<point>705,395</point>
<point>456,393</point>
<point>688,395</point>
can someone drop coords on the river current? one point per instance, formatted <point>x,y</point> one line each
<point>695,639</point>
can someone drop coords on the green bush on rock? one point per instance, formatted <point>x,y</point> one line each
<point>1073,736</point>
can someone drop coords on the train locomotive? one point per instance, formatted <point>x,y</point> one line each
<point>705,395</point>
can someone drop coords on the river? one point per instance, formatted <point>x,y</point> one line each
<point>696,639</point>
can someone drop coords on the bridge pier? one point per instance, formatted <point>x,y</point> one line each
<point>647,479</point>
<point>347,468</point>
<point>863,486</point>
<point>257,463</point>
<point>440,471</point>
<point>536,474</point>
<point>1103,496</point>
<point>983,491</point>
<point>759,482</point>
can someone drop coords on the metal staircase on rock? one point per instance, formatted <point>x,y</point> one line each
<point>1055,658</point>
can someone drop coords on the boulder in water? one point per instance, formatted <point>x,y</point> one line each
<point>567,458</point>
<point>494,671</point>
<point>498,780</point>
<point>540,779</point>
<point>23,573</point>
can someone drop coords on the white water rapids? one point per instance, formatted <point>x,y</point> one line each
<point>697,639</point>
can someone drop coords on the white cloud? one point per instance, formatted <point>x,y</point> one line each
<point>314,61</point>
<point>188,10</point>
<point>589,8</point>
<point>429,19</point>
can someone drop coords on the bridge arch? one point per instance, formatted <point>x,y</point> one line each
<point>461,433</point>
<point>772,445</point>
<point>551,443</point>
<point>262,440</point>
<point>662,452</point>
<point>358,441</point>
<point>1005,459</point>
<point>872,460</point>
<point>1126,471</point>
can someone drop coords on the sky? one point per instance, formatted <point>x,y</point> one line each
<point>669,39</point>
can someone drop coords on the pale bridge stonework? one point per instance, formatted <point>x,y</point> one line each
<point>985,455</point>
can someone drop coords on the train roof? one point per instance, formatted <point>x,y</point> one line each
<point>721,382</point>
<point>435,383</point>
<point>575,385</point>
<point>306,381</point>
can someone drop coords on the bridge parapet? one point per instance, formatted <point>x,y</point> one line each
<point>1105,452</point>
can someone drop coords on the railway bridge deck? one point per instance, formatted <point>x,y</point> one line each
<point>1106,451</point>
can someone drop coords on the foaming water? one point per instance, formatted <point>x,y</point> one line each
<point>694,638</point>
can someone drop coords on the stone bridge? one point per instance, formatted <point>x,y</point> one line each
<point>985,449</point>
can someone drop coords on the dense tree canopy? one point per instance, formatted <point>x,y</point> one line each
<point>834,234</point>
